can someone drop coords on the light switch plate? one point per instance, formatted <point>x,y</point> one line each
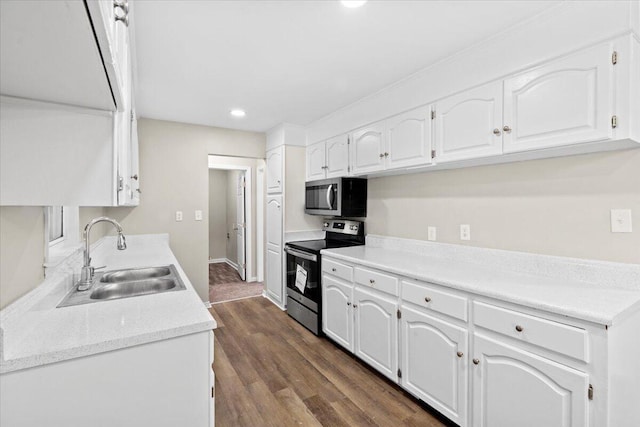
<point>178,215</point>
<point>431,233</point>
<point>198,215</point>
<point>621,221</point>
<point>465,232</point>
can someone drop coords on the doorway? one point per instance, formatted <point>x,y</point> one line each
<point>234,217</point>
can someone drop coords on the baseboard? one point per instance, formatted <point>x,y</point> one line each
<point>207,304</point>
<point>252,279</point>
<point>231,263</point>
<point>217,260</point>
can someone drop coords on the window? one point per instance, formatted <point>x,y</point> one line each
<point>61,233</point>
<point>55,224</point>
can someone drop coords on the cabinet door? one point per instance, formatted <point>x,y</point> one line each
<point>274,170</point>
<point>376,332</point>
<point>565,102</point>
<point>274,220</point>
<point>409,139</point>
<point>337,156</point>
<point>469,125</point>
<point>337,316</point>
<point>274,285</point>
<point>316,164</point>
<point>515,388</point>
<point>434,363</point>
<point>367,149</point>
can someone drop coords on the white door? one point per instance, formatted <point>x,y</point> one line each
<point>274,170</point>
<point>367,149</point>
<point>434,363</point>
<point>274,220</point>
<point>409,139</point>
<point>337,316</point>
<point>316,164</point>
<point>376,331</point>
<point>337,155</point>
<point>515,388</point>
<point>241,226</point>
<point>565,102</point>
<point>469,125</point>
<point>274,274</point>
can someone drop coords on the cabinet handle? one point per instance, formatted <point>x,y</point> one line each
<point>427,299</point>
<point>460,354</point>
<point>507,129</point>
<point>124,19</point>
<point>134,177</point>
<point>519,328</point>
<point>381,155</point>
<point>496,132</point>
<point>333,269</point>
<point>476,361</point>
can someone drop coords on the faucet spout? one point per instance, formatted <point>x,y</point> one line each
<point>86,275</point>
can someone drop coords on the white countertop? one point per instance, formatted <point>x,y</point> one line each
<point>36,333</point>
<point>590,301</point>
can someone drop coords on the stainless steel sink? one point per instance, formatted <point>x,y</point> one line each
<point>132,289</point>
<point>134,274</point>
<point>127,283</point>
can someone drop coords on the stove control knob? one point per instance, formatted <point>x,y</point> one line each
<point>326,224</point>
<point>354,227</point>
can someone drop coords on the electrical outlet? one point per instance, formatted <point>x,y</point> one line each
<point>198,215</point>
<point>465,232</point>
<point>621,221</point>
<point>178,215</point>
<point>431,233</point>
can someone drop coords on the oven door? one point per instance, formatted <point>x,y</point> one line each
<point>303,277</point>
<point>322,197</point>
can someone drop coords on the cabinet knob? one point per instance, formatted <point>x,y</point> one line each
<point>134,177</point>
<point>496,132</point>
<point>507,129</point>
<point>476,361</point>
<point>333,269</point>
<point>519,328</point>
<point>122,5</point>
<point>348,303</point>
<point>386,154</point>
<point>427,299</point>
<point>372,281</point>
<point>138,190</point>
<point>381,155</point>
<point>355,305</point>
<point>460,354</point>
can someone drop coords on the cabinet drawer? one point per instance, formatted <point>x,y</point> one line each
<point>435,299</point>
<point>337,269</point>
<point>375,280</point>
<point>558,337</point>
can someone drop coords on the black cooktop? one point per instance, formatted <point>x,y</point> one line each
<point>316,246</point>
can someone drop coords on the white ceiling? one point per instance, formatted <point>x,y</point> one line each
<point>295,61</point>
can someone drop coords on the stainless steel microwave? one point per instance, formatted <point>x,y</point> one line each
<point>341,197</point>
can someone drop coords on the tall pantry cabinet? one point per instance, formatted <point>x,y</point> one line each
<point>274,284</point>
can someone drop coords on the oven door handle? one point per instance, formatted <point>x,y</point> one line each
<point>300,254</point>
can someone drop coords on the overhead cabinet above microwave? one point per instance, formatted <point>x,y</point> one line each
<point>67,52</point>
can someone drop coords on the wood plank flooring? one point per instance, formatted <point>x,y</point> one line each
<point>225,284</point>
<point>270,371</point>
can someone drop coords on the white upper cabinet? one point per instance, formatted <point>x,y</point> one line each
<point>337,155</point>
<point>547,394</point>
<point>275,166</point>
<point>316,164</point>
<point>469,125</point>
<point>409,139</point>
<point>50,53</point>
<point>565,102</point>
<point>368,149</point>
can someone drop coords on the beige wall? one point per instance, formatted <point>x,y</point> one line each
<point>217,214</point>
<point>295,176</point>
<point>555,206</point>
<point>174,175</point>
<point>21,251</point>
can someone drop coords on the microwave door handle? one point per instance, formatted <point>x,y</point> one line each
<point>300,254</point>
<point>329,196</point>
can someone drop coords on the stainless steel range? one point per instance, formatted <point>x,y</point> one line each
<point>304,281</point>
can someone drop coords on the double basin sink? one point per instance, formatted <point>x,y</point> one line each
<point>127,283</point>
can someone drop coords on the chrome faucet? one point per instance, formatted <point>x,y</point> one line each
<point>86,275</point>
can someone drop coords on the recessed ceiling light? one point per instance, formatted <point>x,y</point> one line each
<point>236,112</point>
<point>352,4</point>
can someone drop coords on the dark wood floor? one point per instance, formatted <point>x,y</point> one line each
<point>270,371</point>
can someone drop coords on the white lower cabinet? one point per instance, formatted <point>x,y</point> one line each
<point>376,331</point>
<point>274,274</point>
<point>513,387</point>
<point>337,317</point>
<point>435,363</point>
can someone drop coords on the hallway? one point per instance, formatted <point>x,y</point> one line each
<point>225,284</point>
